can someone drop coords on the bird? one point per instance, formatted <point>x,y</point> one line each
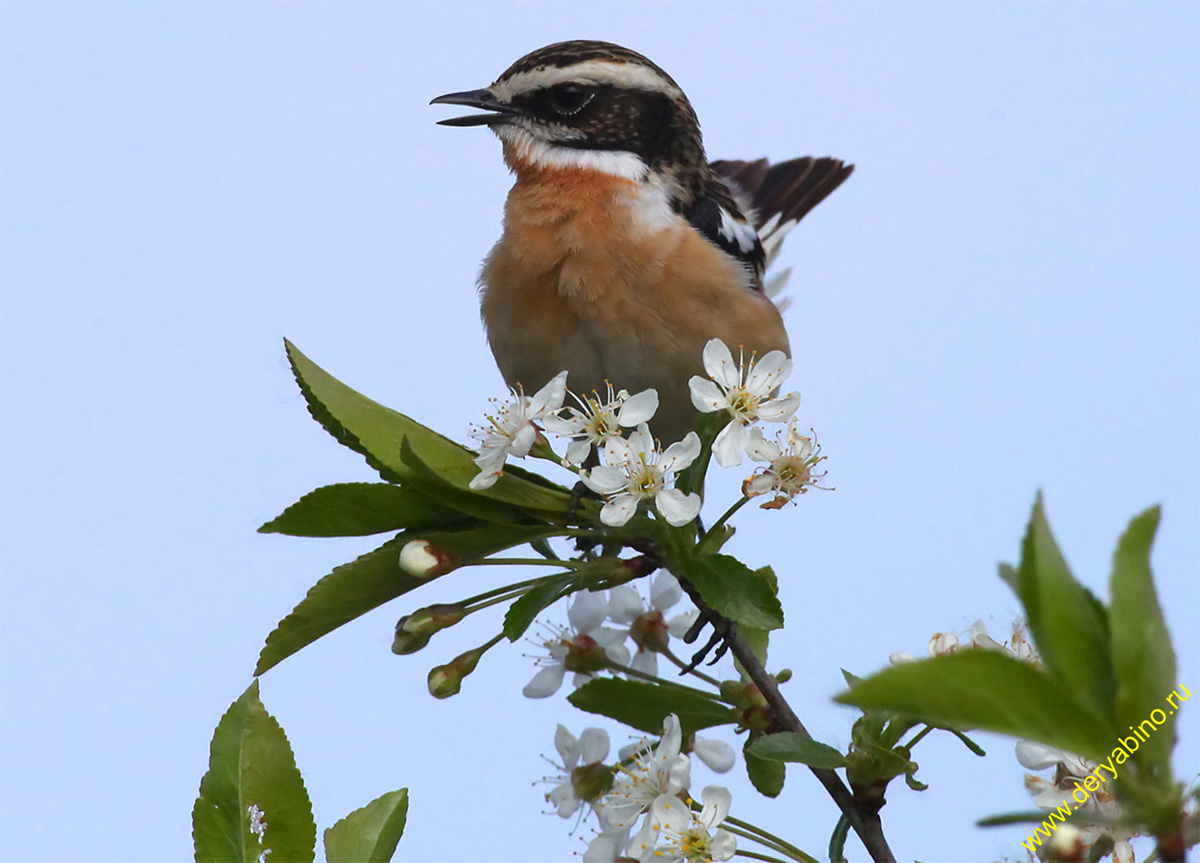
<point>624,250</point>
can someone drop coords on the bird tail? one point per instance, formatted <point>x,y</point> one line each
<point>776,197</point>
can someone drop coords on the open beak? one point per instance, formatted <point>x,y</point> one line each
<point>475,99</point>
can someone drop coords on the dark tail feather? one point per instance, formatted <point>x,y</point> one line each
<point>789,189</point>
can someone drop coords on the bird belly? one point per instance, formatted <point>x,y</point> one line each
<point>596,279</point>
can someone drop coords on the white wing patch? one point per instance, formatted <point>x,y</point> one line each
<point>739,233</point>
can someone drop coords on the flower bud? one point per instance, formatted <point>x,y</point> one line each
<point>413,631</point>
<point>421,559</point>
<point>446,680</point>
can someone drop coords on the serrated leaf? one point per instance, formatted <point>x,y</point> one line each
<point>735,590</point>
<point>987,690</point>
<point>369,834</point>
<point>252,800</point>
<point>523,612</point>
<point>766,774</point>
<point>644,705</point>
<point>369,581</point>
<point>360,509</point>
<point>376,433</point>
<point>795,747</point>
<point>1068,624</point>
<point>1143,658</point>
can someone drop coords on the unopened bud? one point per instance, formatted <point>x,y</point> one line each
<point>783,676</point>
<point>413,631</point>
<point>446,680</point>
<point>421,559</point>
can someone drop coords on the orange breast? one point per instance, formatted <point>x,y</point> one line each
<point>595,275</point>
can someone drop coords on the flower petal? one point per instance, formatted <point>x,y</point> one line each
<point>638,408</point>
<point>625,604</point>
<point>780,409</point>
<point>723,846</point>
<point>676,507</point>
<point>546,682</point>
<point>758,447</point>
<point>730,444</point>
<point>717,755</point>
<point>768,373</point>
<point>619,510</point>
<point>605,479</point>
<point>664,591</point>
<point>645,661</point>
<point>718,362</point>
<point>706,396</point>
<point>588,611</point>
<point>679,454</point>
<point>549,397</point>
<point>487,479</point>
<point>593,744</point>
<point>578,451</point>
<point>567,746</point>
<point>563,798</point>
<point>716,805</point>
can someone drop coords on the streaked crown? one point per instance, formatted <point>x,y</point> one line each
<point>590,96</point>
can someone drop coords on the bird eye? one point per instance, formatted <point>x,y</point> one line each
<point>569,98</point>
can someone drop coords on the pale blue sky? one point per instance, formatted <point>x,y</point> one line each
<point>1004,297</point>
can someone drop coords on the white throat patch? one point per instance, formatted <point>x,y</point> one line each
<point>544,154</point>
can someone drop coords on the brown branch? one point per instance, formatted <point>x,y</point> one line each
<point>864,821</point>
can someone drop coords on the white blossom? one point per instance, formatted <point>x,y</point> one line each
<point>588,752</point>
<point>584,648</point>
<point>512,429</point>
<point>637,471</point>
<point>675,834</point>
<point>789,470</point>
<point>647,623</point>
<point>594,422</point>
<point>745,393</point>
<point>660,769</point>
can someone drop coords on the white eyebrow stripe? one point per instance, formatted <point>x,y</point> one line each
<point>631,76</point>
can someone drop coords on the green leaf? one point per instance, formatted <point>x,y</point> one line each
<point>376,433</point>
<point>434,485</point>
<point>837,840</point>
<point>1143,658</point>
<point>370,834</point>
<point>359,509</point>
<point>522,612</point>
<point>766,774</point>
<point>644,706</point>
<point>252,780</point>
<point>991,691</point>
<point>1068,623</point>
<point>795,747</point>
<point>759,640</point>
<point>736,591</point>
<point>366,583</point>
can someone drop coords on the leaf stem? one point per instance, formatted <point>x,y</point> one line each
<point>679,663</point>
<point>715,529</point>
<point>650,678</point>
<point>767,838</point>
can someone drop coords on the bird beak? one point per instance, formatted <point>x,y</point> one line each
<point>476,99</point>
